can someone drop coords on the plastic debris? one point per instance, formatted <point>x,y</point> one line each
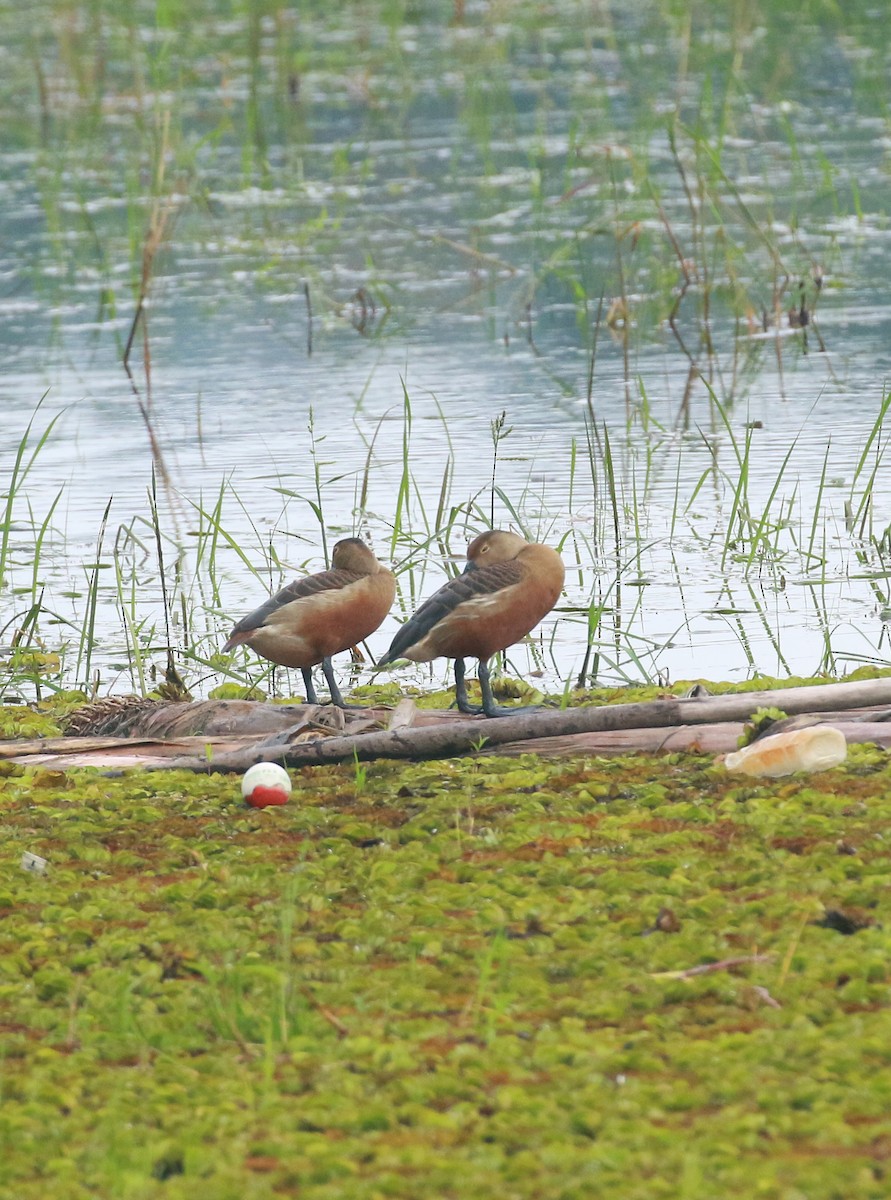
<point>816,748</point>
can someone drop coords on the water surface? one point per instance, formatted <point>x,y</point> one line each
<point>381,211</point>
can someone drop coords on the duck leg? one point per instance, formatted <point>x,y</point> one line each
<point>461,700</point>
<point>308,687</point>
<point>328,670</point>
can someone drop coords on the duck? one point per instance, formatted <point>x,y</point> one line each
<point>507,587</point>
<point>321,615</point>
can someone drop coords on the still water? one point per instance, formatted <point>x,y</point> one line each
<point>383,227</point>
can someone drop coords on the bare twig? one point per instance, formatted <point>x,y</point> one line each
<point>308,318</point>
<point>161,215</point>
<point>765,995</point>
<point>323,1011</point>
<point>725,964</point>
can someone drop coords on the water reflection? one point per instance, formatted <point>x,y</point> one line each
<point>443,224</point>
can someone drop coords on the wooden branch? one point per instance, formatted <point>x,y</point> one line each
<point>720,738</point>
<point>465,736</point>
<point>233,735</point>
<point>725,964</point>
<point>147,753</point>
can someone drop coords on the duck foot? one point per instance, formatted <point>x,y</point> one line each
<point>488,707</point>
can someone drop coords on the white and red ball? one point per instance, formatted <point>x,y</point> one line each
<point>265,784</point>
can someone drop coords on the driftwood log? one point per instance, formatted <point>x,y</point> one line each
<point>212,737</point>
<point>465,736</point>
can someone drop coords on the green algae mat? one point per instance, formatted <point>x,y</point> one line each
<point>634,978</point>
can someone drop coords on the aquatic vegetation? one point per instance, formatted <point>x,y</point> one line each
<point>153,606</point>
<point>445,979</point>
<point>633,233</point>
<point>343,239</point>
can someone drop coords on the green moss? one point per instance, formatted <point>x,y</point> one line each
<point>760,721</point>
<point>21,721</point>
<point>452,983</point>
<point>236,691</point>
